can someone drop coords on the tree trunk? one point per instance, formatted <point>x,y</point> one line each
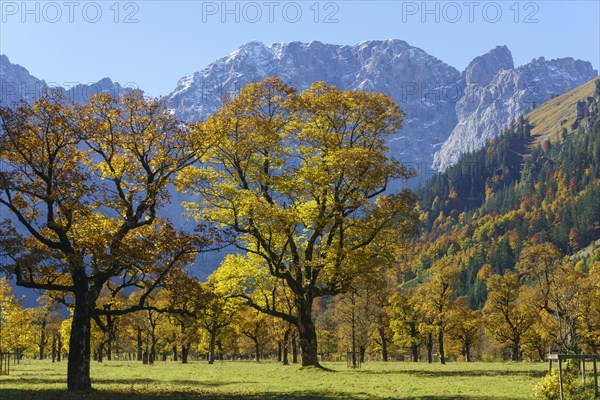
<point>53,348</point>
<point>384,353</point>
<point>59,349</point>
<point>211,347</point>
<point>284,350</point>
<point>219,350</point>
<point>175,353</point>
<point>429,348</point>
<point>353,326</point>
<point>42,340</point>
<point>109,346</point>
<point>256,350</point>
<point>414,351</point>
<point>294,350</point>
<point>100,352</point>
<point>467,350</point>
<point>307,332</point>
<point>415,348</point>
<point>139,344</point>
<point>279,351</point>
<point>153,348</point>
<point>78,370</point>
<point>184,353</point>
<point>542,353</point>
<point>441,347</point>
<point>516,351</point>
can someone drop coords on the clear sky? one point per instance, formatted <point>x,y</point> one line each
<point>154,43</point>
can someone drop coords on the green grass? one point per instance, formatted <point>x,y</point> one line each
<point>118,380</point>
<point>549,118</point>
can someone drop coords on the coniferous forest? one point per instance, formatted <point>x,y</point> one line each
<point>516,192</point>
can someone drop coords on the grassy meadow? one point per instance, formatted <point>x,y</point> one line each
<point>121,380</point>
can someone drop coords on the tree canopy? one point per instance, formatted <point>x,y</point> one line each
<point>300,180</point>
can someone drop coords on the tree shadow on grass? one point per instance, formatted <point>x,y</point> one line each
<point>206,383</point>
<point>473,373</point>
<point>455,397</point>
<point>60,379</point>
<point>41,381</point>
<point>13,394</point>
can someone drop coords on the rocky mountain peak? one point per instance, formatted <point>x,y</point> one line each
<point>487,108</point>
<point>16,84</point>
<point>482,69</point>
<point>417,81</point>
<point>447,112</point>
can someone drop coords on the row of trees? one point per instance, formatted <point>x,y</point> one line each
<point>545,304</point>
<point>296,180</point>
<point>29,330</point>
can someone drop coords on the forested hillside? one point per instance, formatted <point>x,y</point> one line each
<point>520,190</point>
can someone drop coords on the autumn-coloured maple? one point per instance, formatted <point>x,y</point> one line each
<point>300,178</point>
<point>84,185</point>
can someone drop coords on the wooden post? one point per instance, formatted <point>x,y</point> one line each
<point>582,359</point>
<point>595,379</point>
<point>560,383</point>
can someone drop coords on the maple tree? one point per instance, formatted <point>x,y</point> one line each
<point>436,300</point>
<point>464,325</point>
<point>185,293</point>
<point>17,329</point>
<point>299,178</point>
<point>252,324</point>
<point>508,312</point>
<point>215,314</point>
<point>84,184</point>
<point>407,322</point>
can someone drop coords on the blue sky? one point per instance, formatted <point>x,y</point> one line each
<point>154,43</point>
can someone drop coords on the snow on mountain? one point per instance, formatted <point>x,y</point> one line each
<point>447,113</point>
<point>424,87</point>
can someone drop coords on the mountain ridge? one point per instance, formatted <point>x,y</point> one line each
<point>16,84</point>
<point>448,112</point>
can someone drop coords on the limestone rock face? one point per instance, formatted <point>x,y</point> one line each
<point>16,83</point>
<point>496,93</point>
<point>447,113</point>
<point>424,87</point>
